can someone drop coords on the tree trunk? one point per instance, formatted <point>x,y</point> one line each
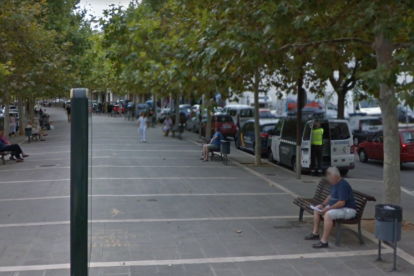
<point>341,104</point>
<point>208,125</point>
<point>200,117</point>
<point>154,107</point>
<point>388,103</point>
<point>7,114</point>
<point>177,111</point>
<point>21,115</point>
<point>258,139</point>
<point>31,109</point>
<point>299,127</point>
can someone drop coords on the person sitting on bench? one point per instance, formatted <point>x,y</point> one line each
<point>340,204</point>
<point>213,145</point>
<point>36,130</point>
<point>15,149</point>
<point>167,125</point>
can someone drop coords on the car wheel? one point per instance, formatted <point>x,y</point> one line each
<point>344,172</point>
<point>363,157</point>
<point>270,155</point>
<point>294,167</point>
<point>356,141</point>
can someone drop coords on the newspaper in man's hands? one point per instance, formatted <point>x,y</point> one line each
<point>313,207</point>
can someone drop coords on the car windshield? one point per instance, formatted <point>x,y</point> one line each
<point>372,122</point>
<point>408,136</point>
<point>267,128</point>
<point>369,103</point>
<point>266,114</point>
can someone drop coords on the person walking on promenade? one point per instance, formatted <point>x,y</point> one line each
<point>12,125</point>
<point>316,148</point>
<point>68,111</point>
<point>142,126</point>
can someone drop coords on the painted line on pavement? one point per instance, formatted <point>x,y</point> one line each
<point>175,262</point>
<point>367,180</point>
<point>144,195</point>
<point>129,178</point>
<point>408,192</point>
<point>118,150</point>
<point>121,167</point>
<point>114,157</point>
<point>401,253</point>
<point>150,220</point>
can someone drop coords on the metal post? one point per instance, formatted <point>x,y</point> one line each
<point>300,105</point>
<point>379,251</point>
<point>79,183</point>
<point>395,244</point>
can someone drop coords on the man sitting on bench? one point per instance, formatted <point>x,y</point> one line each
<point>340,204</point>
<point>213,145</point>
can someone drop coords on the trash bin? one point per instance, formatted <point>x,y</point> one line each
<point>28,132</point>
<point>224,150</point>
<point>388,221</point>
<point>386,216</point>
<point>225,147</point>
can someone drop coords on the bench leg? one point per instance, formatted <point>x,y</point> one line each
<point>212,156</point>
<point>361,238</point>
<point>301,214</point>
<point>338,234</point>
<point>3,160</point>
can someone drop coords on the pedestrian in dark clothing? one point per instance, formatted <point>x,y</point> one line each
<point>316,148</point>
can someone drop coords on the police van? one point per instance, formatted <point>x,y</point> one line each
<point>338,147</point>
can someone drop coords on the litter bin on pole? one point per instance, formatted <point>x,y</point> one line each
<point>224,150</point>
<point>29,133</point>
<point>388,223</point>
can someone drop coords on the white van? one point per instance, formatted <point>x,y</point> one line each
<point>243,112</point>
<point>369,107</point>
<point>364,127</point>
<point>338,149</point>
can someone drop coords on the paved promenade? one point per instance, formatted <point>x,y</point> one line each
<point>158,210</point>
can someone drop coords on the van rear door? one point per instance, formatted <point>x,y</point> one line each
<point>342,148</point>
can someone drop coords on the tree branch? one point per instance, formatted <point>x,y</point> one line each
<point>403,45</point>
<point>329,41</point>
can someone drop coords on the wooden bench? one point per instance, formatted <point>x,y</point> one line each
<point>3,155</point>
<point>322,192</point>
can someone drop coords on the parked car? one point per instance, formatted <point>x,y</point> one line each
<point>404,113</point>
<point>373,148</point>
<point>163,114</point>
<point>246,138</point>
<point>185,106</point>
<point>266,114</point>
<point>193,124</point>
<point>142,107</point>
<point>243,113</point>
<point>363,127</point>
<point>223,122</point>
<point>338,149</point>
<point>116,108</point>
